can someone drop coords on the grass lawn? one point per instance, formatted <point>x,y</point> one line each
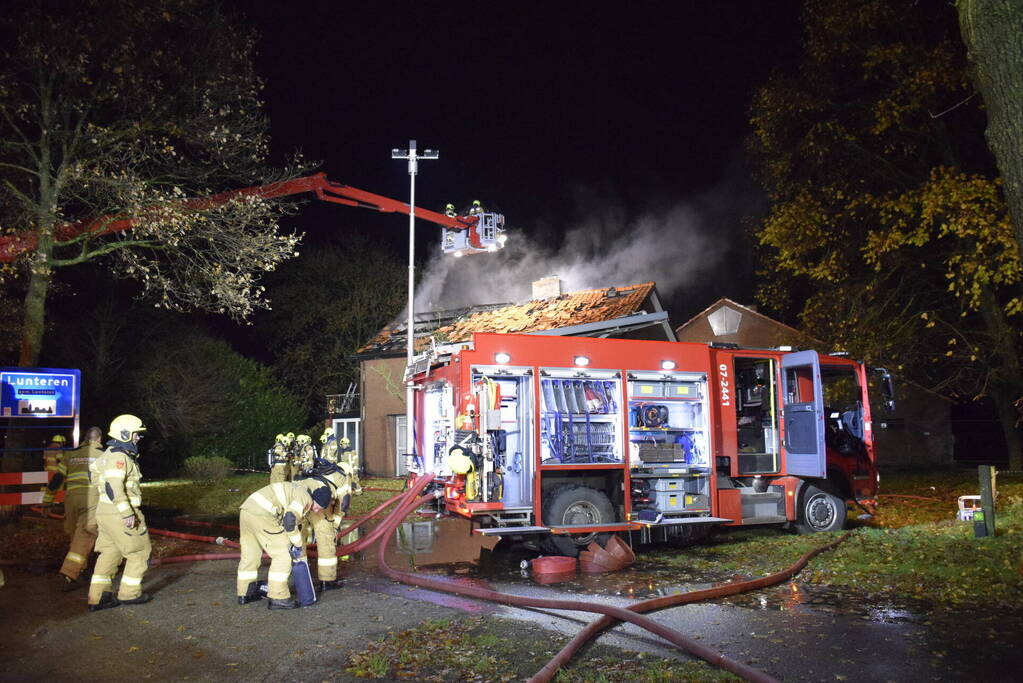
<point>912,549</point>
<point>225,497</point>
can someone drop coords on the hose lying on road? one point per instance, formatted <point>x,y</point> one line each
<point>618,613</point>
<point>548,672</point>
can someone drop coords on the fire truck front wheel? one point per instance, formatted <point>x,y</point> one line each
<point>575,505</point>
<point>820,511</point>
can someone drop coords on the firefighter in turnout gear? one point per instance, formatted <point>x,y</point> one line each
<point>476,208</point>
<point>123,534</point>
<point>79,504</point>
<point>305,458</point>
<point>278,460</point>
<point>350,458</point>
<point>270,521</point>
<point>53,454</point>
<point>325,523</point>
<point>328,451</point>
<point>449,211</point>
<point>292,446</point>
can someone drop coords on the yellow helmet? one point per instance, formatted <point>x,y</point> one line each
<point>59,438</point>
<point>289,437</point>
<point>327,433</point>
<point>345,442</point>
<point>123,426</point>
<point>303,438</point>
<point>280,438</point>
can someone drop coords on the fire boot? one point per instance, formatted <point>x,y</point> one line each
<point>256,592</point>
<point>281,603</point>
<point>70,584</point>
<point>142,599</point>
<point>106,601</point>
<point>330,585</point>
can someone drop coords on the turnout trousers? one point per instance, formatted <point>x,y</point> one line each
<point>117,542</point>
<point>326,545</point>
<point>254,540</point>
<point>80,525</point>
<point>279,473</point>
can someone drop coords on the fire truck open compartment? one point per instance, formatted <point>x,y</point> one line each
<point>575,438</point>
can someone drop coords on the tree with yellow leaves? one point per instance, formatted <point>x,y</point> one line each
<point>888,233</point>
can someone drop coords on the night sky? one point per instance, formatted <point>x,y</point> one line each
<point>550,112</point>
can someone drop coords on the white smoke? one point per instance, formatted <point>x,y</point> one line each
<point>671,247</point>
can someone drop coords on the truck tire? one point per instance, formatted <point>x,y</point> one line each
<point>568,504</point>
<point>819,510</point>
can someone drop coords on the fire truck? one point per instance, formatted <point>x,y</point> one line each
<point>566,440</point>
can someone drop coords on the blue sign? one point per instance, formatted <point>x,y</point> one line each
<point>39,392</point>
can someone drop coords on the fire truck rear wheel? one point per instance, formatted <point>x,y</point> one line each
<point>820,510</point>
<point>573,504</point>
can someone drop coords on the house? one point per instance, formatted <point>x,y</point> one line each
<point>918,433</point>
<point>632,312</point>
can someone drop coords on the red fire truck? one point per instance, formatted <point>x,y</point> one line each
<point>574,438</point>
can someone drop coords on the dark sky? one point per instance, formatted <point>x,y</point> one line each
<point>642,104</point>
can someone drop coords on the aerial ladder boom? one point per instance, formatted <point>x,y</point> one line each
<point>462,234</point>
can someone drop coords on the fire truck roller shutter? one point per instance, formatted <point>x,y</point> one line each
<point>575,504</point>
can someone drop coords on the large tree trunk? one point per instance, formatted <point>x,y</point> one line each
<point>993,33</point>
<point>1007,383</point>
<point>35,316</point>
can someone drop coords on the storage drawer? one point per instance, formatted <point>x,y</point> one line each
<point>682,390</point>
<point>645,389</point>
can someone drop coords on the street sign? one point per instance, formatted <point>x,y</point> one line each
<point>39,392</point>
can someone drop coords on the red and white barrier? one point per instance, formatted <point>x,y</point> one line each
<point>25,479</point>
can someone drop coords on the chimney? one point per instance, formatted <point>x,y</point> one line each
<point>547,288</point>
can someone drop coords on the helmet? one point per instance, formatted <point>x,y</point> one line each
<point>123,426</point>
<point>59,438</point>
<point>303,438</point>
<point>476,203</point>
<point>450,207</point>
<point>327,433</point>
<point>289,437</point>
<point>345,442</point>
<point>280,438</point>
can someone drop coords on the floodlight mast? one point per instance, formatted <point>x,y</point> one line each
<point>413,168</point>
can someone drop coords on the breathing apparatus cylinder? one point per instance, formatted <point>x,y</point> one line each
<point>304,591</point>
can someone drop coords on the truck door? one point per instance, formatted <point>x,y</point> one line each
<point>803,411</point>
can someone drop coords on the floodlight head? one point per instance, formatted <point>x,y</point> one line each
<point>399,153</point>
<point>430,154</point>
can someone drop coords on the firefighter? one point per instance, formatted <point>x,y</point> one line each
<point>270,521</point>
<point>305,456</point>
<point>324,524</point>
<point>292,456</point>
<point>476,208</point>
<point>328,451</point>
<point>53,454</point>
<point>278,457</point>
<point>79,505</point>
<point>123,534</point>
<point>449,211</point>
<point>350,458</point>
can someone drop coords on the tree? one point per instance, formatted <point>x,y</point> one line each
<point>202,398</point>
<point>888,232</point>
<point>327,304</point>
<point>119,110</point>
<point>991,30</point>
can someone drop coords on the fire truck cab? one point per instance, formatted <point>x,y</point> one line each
<point>574,438</point>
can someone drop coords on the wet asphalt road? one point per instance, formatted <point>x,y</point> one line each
<point>194,630</point>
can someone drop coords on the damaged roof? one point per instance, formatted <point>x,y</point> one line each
<point>570,309</point>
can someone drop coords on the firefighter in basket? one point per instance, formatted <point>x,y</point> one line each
<point>322,526</point>
<point>123,534</point>
<point>270,521</point>
<point>277,458</point>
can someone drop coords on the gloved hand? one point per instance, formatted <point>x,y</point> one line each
<point>295,552</point>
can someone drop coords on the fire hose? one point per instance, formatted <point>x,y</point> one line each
<point>632,614</point>
<point>548,672</point>
<point>615,613</point>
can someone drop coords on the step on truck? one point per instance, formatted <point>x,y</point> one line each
<point>565,440</point>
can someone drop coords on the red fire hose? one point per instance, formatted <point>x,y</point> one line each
<point>617,613</point>
<point>548,672</point>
